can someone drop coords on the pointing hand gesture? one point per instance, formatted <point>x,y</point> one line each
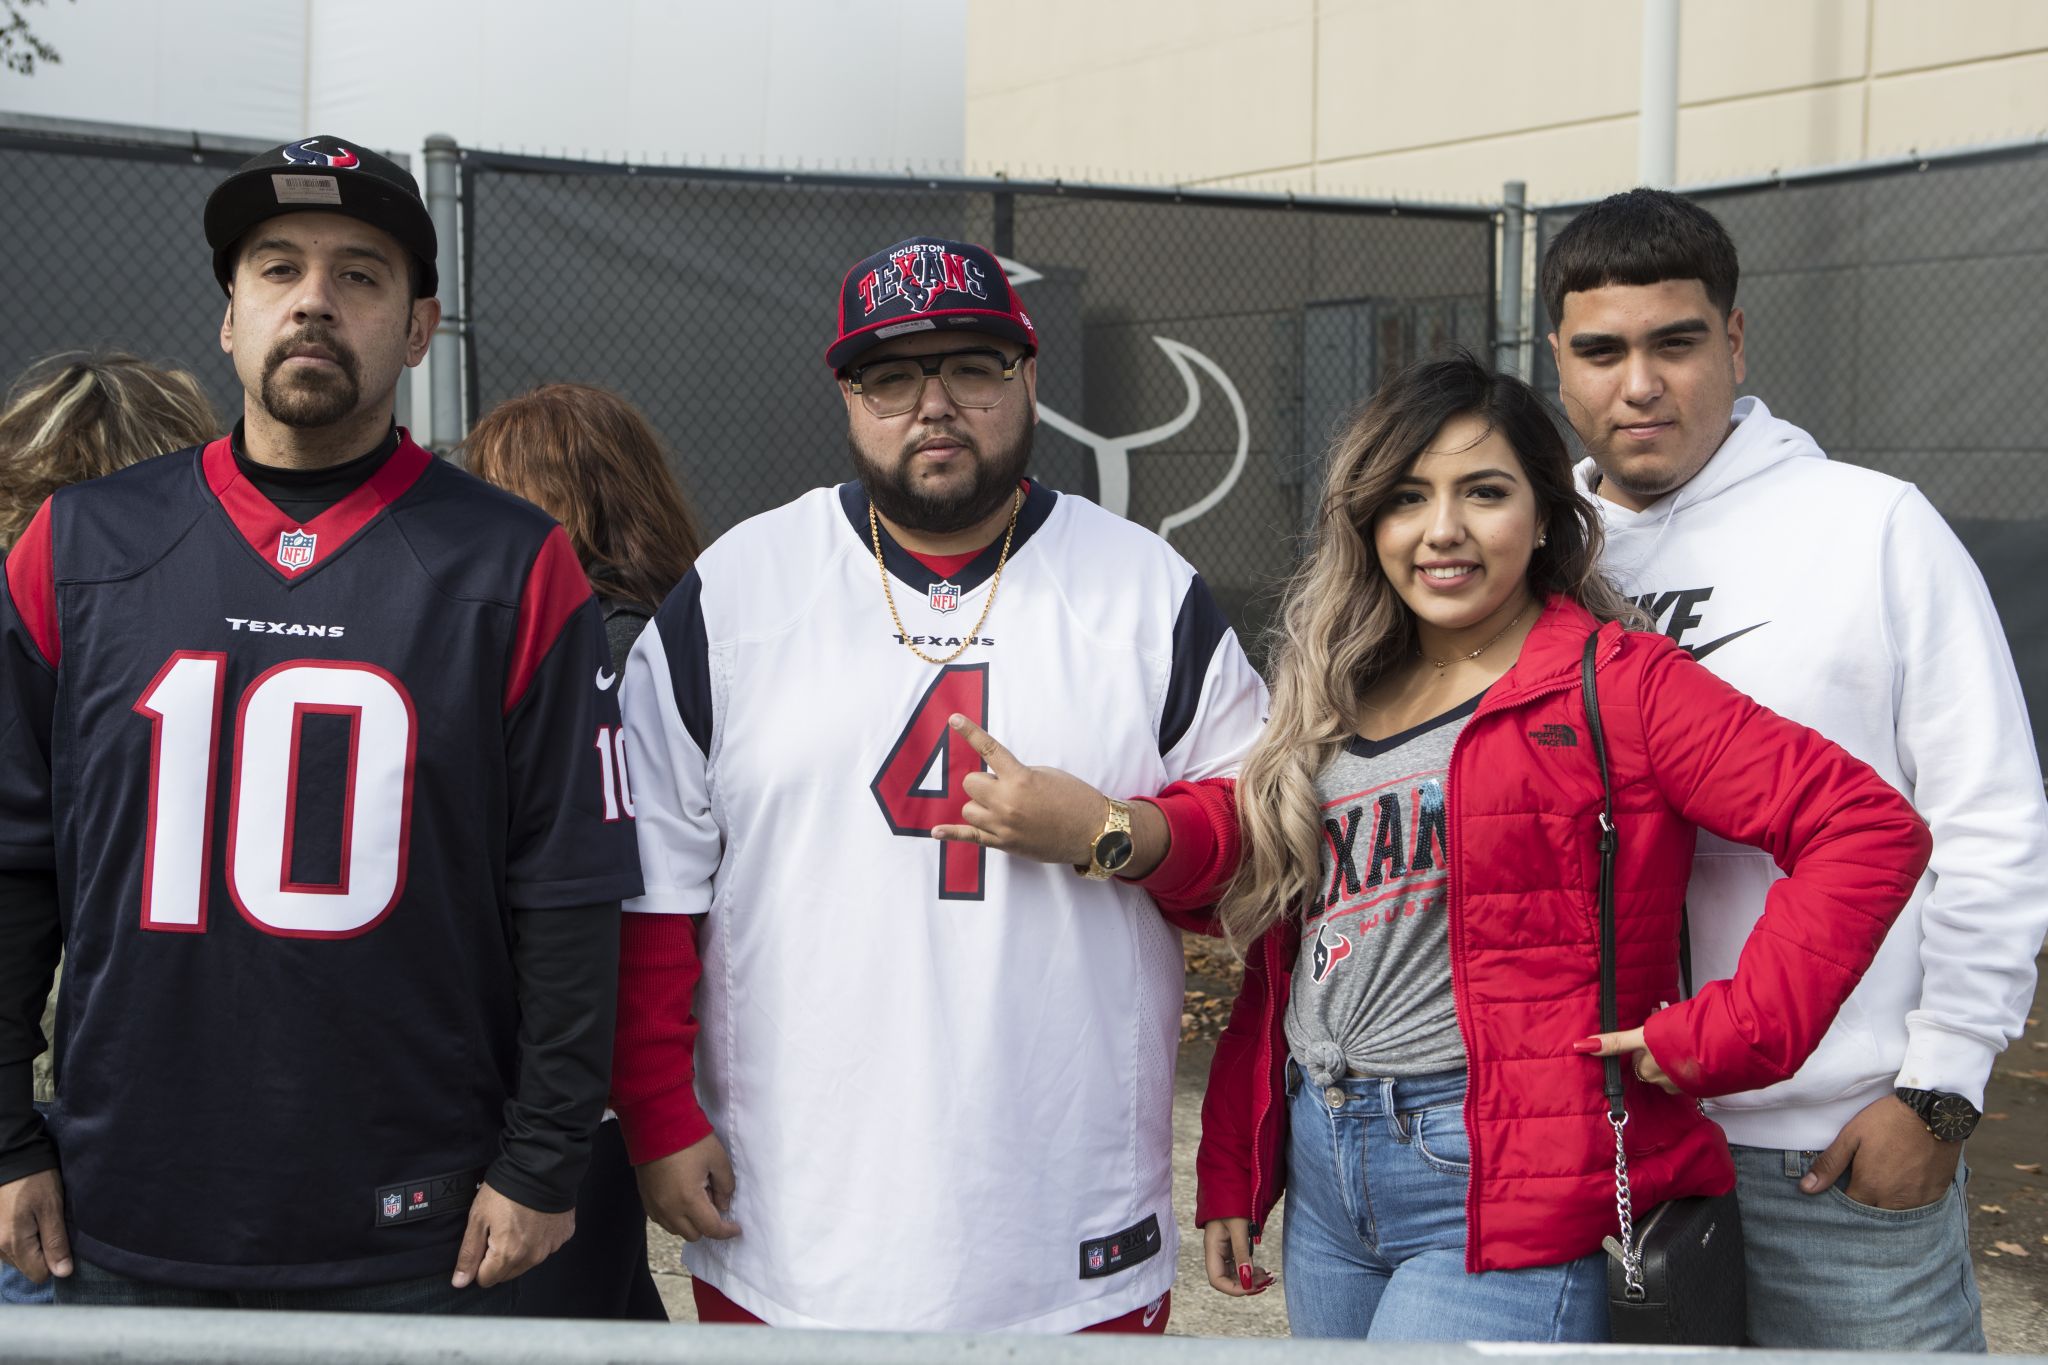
<point>1039,813</point>
<point>1629,1044</point>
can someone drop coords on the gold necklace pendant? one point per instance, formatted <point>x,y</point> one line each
<point>875,536</point>
<point>1441,664</point>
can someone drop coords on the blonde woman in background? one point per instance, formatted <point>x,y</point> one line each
<point>79,415</point>
<point>69,418</point>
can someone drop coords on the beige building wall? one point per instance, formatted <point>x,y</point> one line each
<point>1447,99</point>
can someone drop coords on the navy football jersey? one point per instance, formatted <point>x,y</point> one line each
<point>293,779</point>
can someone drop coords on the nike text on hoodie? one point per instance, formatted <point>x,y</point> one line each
<point>1838,596</point>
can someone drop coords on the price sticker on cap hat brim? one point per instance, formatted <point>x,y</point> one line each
<point>306,189</point>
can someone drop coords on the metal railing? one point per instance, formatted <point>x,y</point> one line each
<point>75,1336</point>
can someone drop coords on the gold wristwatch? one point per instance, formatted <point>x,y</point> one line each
<point>1112,848</point>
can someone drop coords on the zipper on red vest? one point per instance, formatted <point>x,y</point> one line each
<point>1453,906</point>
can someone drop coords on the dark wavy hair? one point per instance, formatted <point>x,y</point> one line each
<point>1342,626</point>
<point>590,459</point>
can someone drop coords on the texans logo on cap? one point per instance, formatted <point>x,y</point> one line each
<point>322,174</point>
<point>923,284</point>
<point>307,153</point>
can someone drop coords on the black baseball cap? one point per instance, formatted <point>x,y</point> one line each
<point>323,175</point>
<point>926,284</point>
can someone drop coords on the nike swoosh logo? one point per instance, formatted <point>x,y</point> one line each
<point>605,680</point>
<point>1152,1313</point>
<point>1699,652</point>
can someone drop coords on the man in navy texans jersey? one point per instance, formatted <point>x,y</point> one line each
<point>309,761</point>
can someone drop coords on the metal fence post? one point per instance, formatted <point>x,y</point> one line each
<point>1657,121</point>
<point>446,353</point>
<point>1507,332</point>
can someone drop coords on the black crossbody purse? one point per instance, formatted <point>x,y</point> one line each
<point>1679,1278</point>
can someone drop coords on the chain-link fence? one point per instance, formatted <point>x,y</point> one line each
<point>101,246</point>
<point>1195,350</point>
<point>1895,311</point>
<point>1198,349</point>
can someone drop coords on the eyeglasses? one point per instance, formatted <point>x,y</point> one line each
<point>972,379</point>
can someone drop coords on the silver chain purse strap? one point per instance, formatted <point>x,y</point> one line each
<point>1617,1111</point>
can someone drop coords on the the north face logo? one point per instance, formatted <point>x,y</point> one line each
<point>1556,737</point>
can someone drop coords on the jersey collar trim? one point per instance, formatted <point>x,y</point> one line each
<point>266,527</point>
<point>907,569</point>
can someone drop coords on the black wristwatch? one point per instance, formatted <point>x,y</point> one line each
<point>1950,1117</point>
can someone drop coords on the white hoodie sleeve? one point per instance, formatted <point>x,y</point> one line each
<point>1966,748</point>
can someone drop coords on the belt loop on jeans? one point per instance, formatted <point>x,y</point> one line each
<point>1291,1074</point>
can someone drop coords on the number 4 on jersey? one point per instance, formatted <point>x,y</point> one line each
<point>922,783</point>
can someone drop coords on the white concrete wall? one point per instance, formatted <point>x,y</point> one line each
<point>782,81</point>
<point>1446,99</point>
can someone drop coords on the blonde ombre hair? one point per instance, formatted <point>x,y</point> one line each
<point>1341,627</point>
<point>77,416</point>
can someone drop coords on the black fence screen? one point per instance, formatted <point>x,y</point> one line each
<point>1195,351</point>
<point>1895,313</point>
<point>1198,350</point>
<point>101,247</point>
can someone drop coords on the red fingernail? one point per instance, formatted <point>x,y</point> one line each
<point>1244,1278</point>
<point>1586,1045</point>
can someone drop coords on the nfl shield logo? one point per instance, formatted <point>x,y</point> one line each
<point>1095,1258</point>
<point>392,1207</point>
<point>295,549</point>
<point>944,596</point>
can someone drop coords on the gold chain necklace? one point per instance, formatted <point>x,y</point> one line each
<point>1446,663</point>
<point>875,535</point>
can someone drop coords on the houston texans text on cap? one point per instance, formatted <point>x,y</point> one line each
<point>924,285</point>
<point>325,175</point>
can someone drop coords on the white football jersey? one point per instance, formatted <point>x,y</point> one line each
<point>944,1075</point>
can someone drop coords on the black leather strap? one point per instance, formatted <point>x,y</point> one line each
<point>1610,1010</point>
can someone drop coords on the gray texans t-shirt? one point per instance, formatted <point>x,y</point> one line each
<point>1372,991</point>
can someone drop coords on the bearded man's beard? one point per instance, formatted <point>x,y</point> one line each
<point>311,398</point>
<point>997,468</point>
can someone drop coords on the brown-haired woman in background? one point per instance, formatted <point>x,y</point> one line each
<point>589,459</point>
<point>69,418</point>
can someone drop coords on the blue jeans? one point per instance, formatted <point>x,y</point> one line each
<point>18,1290</point>
<point>95,1286</point>
<point>1828,1272</point>
<point>1374,1244</point>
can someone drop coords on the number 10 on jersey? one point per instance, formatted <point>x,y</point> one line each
<point>923,781</point>
<point>183,705</point>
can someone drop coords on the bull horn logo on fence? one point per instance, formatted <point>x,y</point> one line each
<point>1113,453</point>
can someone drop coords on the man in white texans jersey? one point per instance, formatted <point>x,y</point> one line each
<point>1839,597</point>
<point>933,1086</point>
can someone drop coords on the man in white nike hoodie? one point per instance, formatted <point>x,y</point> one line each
<point>1836,596</point>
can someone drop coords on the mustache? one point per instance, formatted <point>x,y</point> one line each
<point>950,435</point>
<point>312,335</point>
